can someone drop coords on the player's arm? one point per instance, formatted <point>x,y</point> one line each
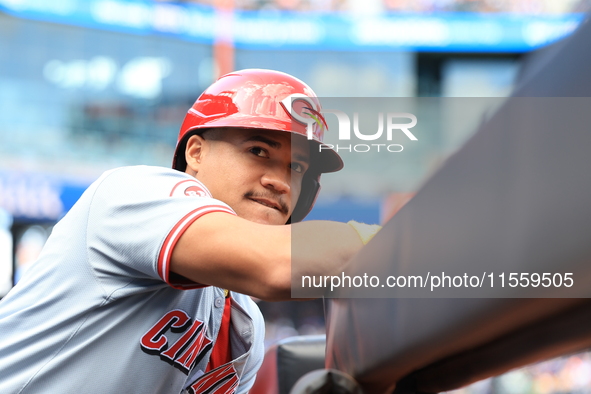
<point>227,251</point>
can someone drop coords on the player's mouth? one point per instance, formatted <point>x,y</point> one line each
<point>270,203</point>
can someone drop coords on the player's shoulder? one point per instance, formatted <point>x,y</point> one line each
<point>157,182</point>
<point>144,171</point>
<point>148,184</point>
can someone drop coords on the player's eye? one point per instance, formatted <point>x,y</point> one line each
<point>258,151</point>
<point>297,167</point>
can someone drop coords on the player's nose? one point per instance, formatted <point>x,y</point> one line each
<point>277,179</point>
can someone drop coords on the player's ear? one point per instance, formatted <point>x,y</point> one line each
<point>194,153</point>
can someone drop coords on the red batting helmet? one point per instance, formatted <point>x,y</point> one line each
<point>270,100</point>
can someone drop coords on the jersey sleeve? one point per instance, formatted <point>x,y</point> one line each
<point>137,216</point>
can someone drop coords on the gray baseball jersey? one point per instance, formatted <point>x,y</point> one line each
<point>99,312</point>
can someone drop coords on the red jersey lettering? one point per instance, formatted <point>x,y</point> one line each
<point>154,341</point>
<point>222,380</point>
<point>180,345</point>
<point>194,353</point>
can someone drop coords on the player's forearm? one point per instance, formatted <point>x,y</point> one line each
<point>322,247</point>
<point>316,248</point>
<point>226,251</point>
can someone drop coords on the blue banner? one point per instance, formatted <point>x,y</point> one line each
<point>37,196</point>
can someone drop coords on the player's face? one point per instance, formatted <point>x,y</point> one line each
<point>256,172</point>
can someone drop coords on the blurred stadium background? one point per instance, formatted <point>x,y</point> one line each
<point>89,85</point>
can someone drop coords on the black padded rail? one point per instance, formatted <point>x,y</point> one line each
<point>518,195</point>
<point>287,361</point>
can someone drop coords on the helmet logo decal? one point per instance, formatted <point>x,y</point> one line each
<point>305,109</point>
<point>317,116</point>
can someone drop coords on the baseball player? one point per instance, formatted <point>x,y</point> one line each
<point>145,285</point>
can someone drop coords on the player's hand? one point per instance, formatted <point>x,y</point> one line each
<point>365,231</point>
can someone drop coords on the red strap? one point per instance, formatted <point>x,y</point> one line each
<point>222,353</point>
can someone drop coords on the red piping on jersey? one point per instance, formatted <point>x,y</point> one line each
<point>175,234</point>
